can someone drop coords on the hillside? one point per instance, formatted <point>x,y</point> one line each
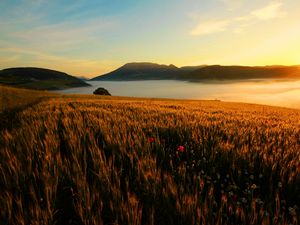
<point>38,78</point>
<point>217,72</point>
<point>111,160</point>
<point>143,71</point>
<point>151,71</point>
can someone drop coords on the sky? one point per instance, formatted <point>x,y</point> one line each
<point>92,37</point>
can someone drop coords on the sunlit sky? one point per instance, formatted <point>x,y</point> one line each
<point>91,37</point>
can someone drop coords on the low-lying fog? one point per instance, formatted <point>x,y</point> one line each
<point>280,93</point>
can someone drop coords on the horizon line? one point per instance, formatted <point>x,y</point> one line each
<point>161,64</point>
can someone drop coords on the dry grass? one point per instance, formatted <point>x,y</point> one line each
<point>82,160</point>
<point>15,98</point>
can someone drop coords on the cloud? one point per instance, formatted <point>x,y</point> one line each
<point>271,11</point>
<point>210,27</point>
<point>232,4</point>
<point>72,65</point>
<point>43,24</point>
<point>8,59</point>
<point>238,24</point>
<point>66,33</point>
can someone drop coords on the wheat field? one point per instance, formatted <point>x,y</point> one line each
<point>111,160</point>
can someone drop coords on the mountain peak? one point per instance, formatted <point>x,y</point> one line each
<point>153,71</point>
<point>141,71</point>
<point>173,66</point>
<point>146,65</point>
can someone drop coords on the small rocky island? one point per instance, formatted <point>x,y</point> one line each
<point>101,91</point>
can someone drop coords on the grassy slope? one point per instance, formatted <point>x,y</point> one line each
<point>13,98</point>
<point>104,160</point>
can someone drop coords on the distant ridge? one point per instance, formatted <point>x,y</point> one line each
<point>217,72</point>
<point>141,71</point>
<point>153,71</point>
<point>39,78</point>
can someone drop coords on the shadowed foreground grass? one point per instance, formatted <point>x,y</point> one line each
<point>14,100</point>
<point>81,160</point>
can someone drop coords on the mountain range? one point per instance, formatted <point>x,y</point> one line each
<point>152,71</point>
<point>46,79</point>
<point>146,71</point>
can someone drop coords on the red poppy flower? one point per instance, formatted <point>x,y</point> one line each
<point>151,139</point>
<point>180,148</point>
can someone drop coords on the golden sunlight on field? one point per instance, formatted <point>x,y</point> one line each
<point>110,160</point>
<point>12,98</point>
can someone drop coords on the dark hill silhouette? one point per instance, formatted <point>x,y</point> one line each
<point>142,71</point>
<point>217,72</point>
<point>152,71</point>
<point>191,68</point>
<point>38,78</point>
